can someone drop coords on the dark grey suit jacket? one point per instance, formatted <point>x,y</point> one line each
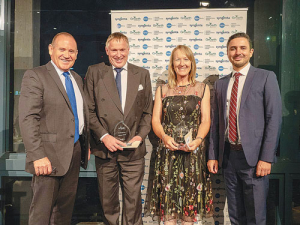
<point>106,111</point>
<point>47,121</point>
<point>259,117</point>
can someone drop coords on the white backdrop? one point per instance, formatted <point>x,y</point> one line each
<point>153,34</point>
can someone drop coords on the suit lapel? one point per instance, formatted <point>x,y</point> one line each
<point>224,94</point>
<point>247,85</point>
<point>76,78</point>
<point>111,87</point>
<point>133,81</point>
<point>57,80</point>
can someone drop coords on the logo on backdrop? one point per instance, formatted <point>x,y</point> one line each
<point>134,32</point>
<point>211,25</point>
<point>223,32</point>
<point>144,25</point>
<point>223,18</point>
<point>196,25</point>
<point>172,32</point>
<point>186,17</point>
<point>185,31</point>
<point>237,17</point>
<point>210,39</point>
<point>144,53</point>
<point>144,39</point>
<point>134,18</point>
<point>158,25</point>
<point>172,18</point>
<point>157,39</point>
<point>157,53</point>
<point>195,39</point>
<point>120,18</point>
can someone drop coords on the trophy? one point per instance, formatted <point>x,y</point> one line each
<point>121,131</point>
<point>179,133</point>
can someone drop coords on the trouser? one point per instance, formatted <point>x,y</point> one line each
<point>129,174</point>
<point>54,197</point>
<point>246,193</point>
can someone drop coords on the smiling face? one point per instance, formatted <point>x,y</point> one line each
<point>117,51</point>
<point>181,63</point>
<point>63,52</point>
<point>239,53</point>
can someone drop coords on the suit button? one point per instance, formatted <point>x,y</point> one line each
<point>105,115</point>
<point>72,120</point>
<point>102,99</point>
<point>71,135</point>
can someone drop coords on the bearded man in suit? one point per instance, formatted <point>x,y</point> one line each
<point>244,132</point>
<point>54,125</point>
<point>119,96</point>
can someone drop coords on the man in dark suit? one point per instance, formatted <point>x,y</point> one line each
<point>54,124</point>
<point>119,93</point>
<point>244,132</point>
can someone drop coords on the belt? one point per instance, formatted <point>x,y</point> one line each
<point>235,147</point>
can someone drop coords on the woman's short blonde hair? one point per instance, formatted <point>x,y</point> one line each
<point>172,77</point>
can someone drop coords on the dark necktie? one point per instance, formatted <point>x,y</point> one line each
<point>118,82</point>
<point>232,110</point>
<point>72,99</point>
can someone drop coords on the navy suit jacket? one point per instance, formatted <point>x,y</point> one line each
<point>259,117</point>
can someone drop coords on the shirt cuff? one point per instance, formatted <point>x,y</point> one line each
<point>103,137</point>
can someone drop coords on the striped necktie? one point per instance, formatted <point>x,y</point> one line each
<point>232,136</point>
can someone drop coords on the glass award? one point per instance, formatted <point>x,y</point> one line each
<point>121,131</point>
<point>179,132</point>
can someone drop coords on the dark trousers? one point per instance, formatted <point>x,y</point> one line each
<point>54,197</point>
<point>129,175</point>
<point>246,193</point>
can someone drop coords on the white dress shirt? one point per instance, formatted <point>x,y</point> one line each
<point>78,96</point>
<point>242,80</point>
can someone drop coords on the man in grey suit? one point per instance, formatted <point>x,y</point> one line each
<point>244,132</point>
<point>119,96</point>
<point>54,124</point>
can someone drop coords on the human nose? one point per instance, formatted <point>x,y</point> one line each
<point>66,54</point>
<point>238,51</point>
<point>118,54</point>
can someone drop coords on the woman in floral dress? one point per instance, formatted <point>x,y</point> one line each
<point>181,188</point>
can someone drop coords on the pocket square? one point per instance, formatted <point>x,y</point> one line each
<point>140,87</point>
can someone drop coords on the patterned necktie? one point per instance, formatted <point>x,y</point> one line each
<point>232,110</point>
<point>72,99</point>
<point>118,82</point>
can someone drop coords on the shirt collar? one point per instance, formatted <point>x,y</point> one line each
<point>124,67</point>
<point>59,71</point>
<point>243,71</point>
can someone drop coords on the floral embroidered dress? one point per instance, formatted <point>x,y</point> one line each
<point>181,188</point>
